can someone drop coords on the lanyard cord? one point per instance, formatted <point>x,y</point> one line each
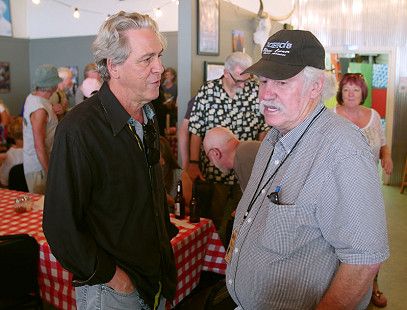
<point>257,191</point>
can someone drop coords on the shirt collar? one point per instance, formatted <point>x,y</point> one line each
<point>289,140</point>
<point>115,112</point>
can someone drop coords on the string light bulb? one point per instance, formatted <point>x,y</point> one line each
<point>76,13</point>
<point>158,12</point>
<point>36,2</point>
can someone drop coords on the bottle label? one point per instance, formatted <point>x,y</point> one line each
<point>177,209</point>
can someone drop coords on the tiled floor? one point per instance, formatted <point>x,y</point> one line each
<point>393,272</point>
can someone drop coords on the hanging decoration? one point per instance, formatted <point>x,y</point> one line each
<point>157,11</point>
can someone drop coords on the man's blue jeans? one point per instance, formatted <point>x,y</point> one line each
<point>103,297</point>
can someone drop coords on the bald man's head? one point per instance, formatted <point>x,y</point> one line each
<point>220,145</point>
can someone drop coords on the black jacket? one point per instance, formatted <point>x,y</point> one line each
<point>101,209</point>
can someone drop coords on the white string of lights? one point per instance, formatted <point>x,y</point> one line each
<point>157,11</point>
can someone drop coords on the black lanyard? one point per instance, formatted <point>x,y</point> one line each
<point>257,191</point>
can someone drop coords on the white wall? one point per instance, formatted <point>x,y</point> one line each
<point>51,19</point>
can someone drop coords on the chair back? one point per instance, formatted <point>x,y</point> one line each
<point>16,179</point>
<point>19,255</point>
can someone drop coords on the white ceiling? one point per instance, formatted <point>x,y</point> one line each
<point>54,18</point>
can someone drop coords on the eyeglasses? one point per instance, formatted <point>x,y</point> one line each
<point>150,135</point>
<point>239,81</point>
<point>349,74</point>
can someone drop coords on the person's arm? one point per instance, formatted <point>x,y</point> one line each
<point>183,143</point>
<point>4,118</point>
<point>39,121</point>
<point>261,135</point>
<point>385,158</point>
<point>193,168</point>
<point>186,187</point>
<point>69,179</point>
<point>350,284</point>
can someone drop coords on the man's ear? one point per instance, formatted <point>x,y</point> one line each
<point>217,153</point>
<point>318,86</point>
<point>112,68</point>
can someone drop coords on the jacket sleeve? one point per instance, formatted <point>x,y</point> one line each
<point>68,193</point>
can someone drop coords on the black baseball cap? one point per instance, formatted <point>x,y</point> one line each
<point>286,53</point>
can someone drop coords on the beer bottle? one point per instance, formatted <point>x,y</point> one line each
<point>194,208</point>
<point>179,207</point>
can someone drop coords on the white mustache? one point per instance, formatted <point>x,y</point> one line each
<point>271,103</point>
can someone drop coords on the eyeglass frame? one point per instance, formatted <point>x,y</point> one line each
<point>236,82</point>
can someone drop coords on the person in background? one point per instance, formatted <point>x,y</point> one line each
<point>4,121</point>
<point>89,87</point>
<point>161,112</point>
<point>184,136</point>
<point>310,230</point>
<point>14,155</point>
<point>59,99</point>
<point>227,153</point>
<point>169,84</point>
<point>106,216</point>
<point>170,92</point>
<point>232,102</point>
<point>90,71</point>
<point>351,95</point>
<point>172,173</point>
<point>39,123</point>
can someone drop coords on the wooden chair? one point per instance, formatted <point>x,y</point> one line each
<point>404,179</point>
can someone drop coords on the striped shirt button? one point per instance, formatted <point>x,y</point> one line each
<point>236,250</point>
<point>263,191</point>
<point>230,281</point>
<point>276,162</point>
<point>249,220</point>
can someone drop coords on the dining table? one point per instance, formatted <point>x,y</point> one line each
<point>197,247</point>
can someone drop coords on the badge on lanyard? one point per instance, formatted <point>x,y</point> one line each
<point>228,255</point>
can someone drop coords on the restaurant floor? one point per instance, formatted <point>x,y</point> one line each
<point>392,276</point>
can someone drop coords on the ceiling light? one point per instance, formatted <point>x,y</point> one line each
<point>36,2</point>
<point>158,12</point>
<point>76,13</point>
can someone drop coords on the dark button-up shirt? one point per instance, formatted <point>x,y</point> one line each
<point>104,206</point>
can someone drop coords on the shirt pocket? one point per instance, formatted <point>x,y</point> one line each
<point>280,229</point>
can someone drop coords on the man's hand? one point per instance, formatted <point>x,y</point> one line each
<point>194,172</point>
<point>121,282</point>
<point>58,109</point>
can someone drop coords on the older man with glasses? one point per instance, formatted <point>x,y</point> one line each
<point>106,215</point>
<point>232,102</point>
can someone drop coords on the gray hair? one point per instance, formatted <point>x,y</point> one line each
<point>238,59</point>
<point>312,74</point>
<point>111,41</point>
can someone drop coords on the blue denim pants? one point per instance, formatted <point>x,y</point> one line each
<point>103,297</point>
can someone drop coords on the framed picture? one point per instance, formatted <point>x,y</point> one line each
<point>5,18</point>
<point>238,41</point>
<point>208,27</point>
<point>213,70</point>
<point>4,77</point>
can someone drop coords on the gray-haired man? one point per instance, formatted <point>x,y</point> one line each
<point>310,230</point>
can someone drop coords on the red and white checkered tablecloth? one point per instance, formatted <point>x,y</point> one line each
<point>196,247</point>
<point>173,142</point>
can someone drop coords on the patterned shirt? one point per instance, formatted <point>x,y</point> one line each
<point>213,107</point>
<point>330,210</point>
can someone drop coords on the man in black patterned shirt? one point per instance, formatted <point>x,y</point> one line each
<point>232,102</point>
